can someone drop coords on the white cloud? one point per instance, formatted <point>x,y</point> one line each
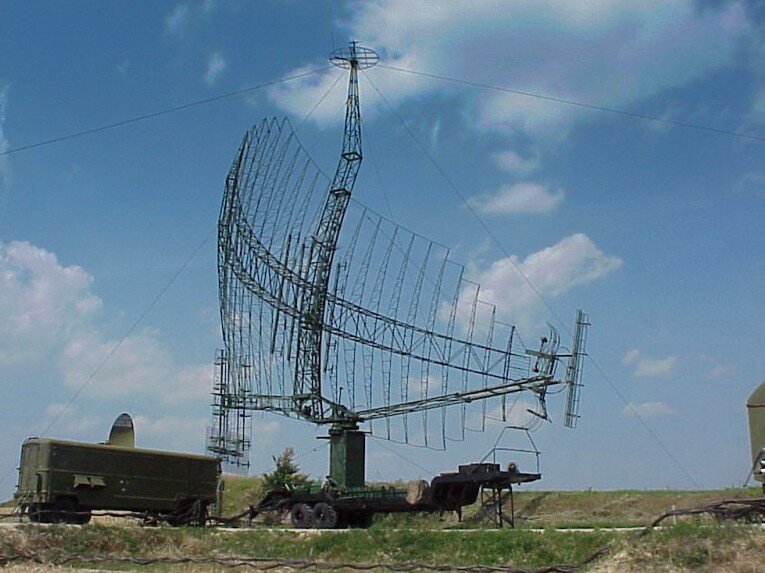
<point>422,386</point>
<point>299,95</point>
<point>571,262</point>
<point>753,182</point>
<point>518,413</point>
<point>42,303</point>
<point>757,106</point>
<point>5,167</point>
<point>718,372</point>
<point>434,133</point>
<point>631,356</point>
<point>189,14</point>
<point>53,410</point>
<point>519,198</point>
<point>267,430</point>
<point>216,65</point>
<point>180,433</point>
<point>177,21</point>
<point>50,318</point>
<point>194,382</point>
<point>512,162</point>
<point>609,52</point>
<point>141,365</point>
<point>648,410</point>
<point>649,367</point>
<point>75,424</point>
<point>123,68</point>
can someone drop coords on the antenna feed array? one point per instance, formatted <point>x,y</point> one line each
<point>354,55</point>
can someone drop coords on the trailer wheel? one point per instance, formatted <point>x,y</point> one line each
<point>301,516</point>
<point>77,515</point>
<point>325,516</point>
<point>34,513</point>
<point>42,513</point>
<point>69,511</point>
<point>58,511</point>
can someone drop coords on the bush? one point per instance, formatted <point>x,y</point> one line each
<point>286,474</point>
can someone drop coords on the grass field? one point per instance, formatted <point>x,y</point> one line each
<point>691,544</point>
<point>685,547</point>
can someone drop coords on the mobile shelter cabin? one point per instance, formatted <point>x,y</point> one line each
<point>61,480</point>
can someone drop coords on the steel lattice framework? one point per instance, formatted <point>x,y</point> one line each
<point>319,296</point>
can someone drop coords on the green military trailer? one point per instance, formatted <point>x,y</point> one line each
<point>63,481</point>
<point>332,505</point>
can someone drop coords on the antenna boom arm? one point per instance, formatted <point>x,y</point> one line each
<point>534,383</point>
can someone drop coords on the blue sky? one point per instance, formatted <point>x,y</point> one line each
<point>653,229</point>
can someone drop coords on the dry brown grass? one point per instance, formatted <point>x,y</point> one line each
<point>740,551</point>
<point>610,508</point>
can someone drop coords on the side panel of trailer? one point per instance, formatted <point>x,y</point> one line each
<point>105,477</point>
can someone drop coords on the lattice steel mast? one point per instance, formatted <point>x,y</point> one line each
<point>324,242</point>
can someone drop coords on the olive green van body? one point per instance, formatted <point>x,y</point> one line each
<point>98,476</point>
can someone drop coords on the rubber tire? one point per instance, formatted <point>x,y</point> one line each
<point>190,512</point>
<point>69,511</point>
<point>83,516</point>
<point>66,510</point>
<point>48,513</point>
<point>34,513</point>
<point>179,517</point>
<point>325,516</point>
<point>43,513</point>
<point>301,516</point>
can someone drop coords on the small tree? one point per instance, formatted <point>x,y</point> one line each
<point>286,473</point>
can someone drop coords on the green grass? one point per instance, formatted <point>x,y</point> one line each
<point>522,548</point>
<point>685,547</point>
<point>690,547</point>
<point>695,544</point>
<point>627,508</point>
<point>240,492</point>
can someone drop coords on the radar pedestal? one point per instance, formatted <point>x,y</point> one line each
<point>346,455</point>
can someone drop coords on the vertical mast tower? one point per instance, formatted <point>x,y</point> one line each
<point>323,243</point>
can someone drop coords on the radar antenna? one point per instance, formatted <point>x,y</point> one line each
<point>333,314</point>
